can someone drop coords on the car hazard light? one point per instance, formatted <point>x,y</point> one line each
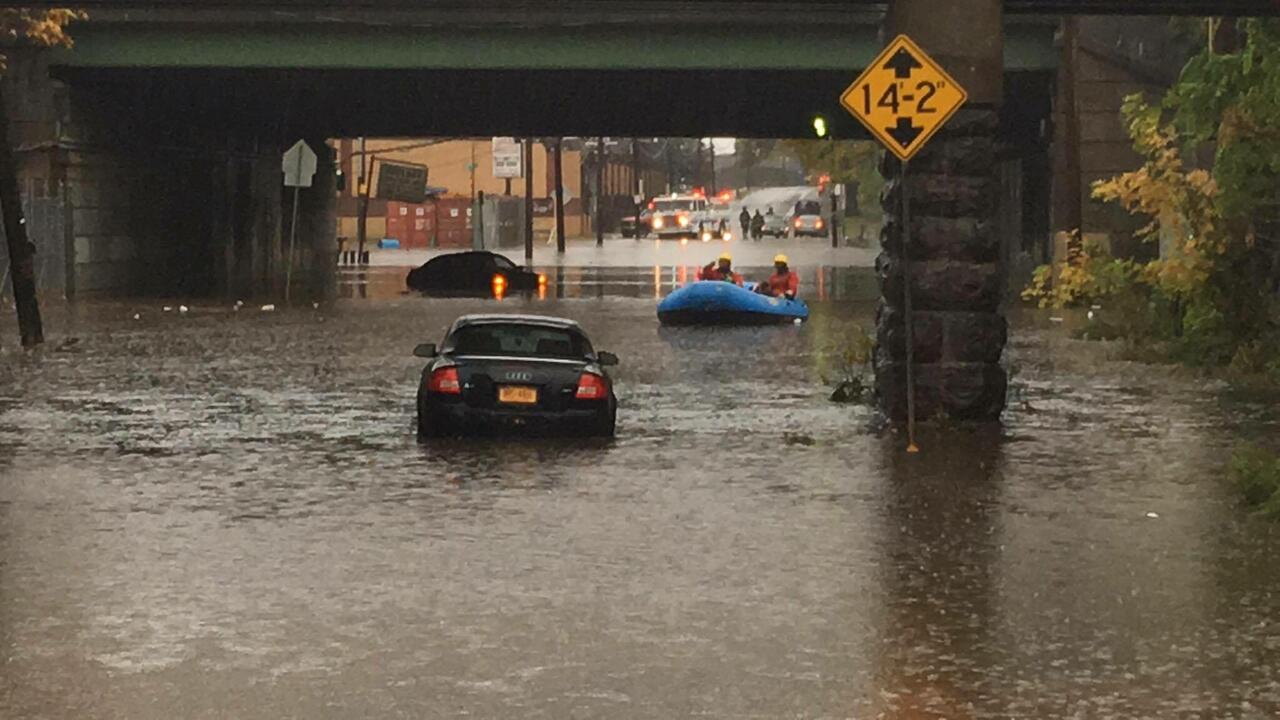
<point>445,381</point>
<point>592,387</point>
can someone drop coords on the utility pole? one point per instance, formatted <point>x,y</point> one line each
<point>472,167</point>
<point>528,202</point>
<point>670,166</point>
<point>599,219</point>
<point>713,189</point>
<point>21,250</point>
<point>698,177</point>
<point>558,170</point>
<point>635,183</point>
<point>1073,187</point>
<point>362,205</point>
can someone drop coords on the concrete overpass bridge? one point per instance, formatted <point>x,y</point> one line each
<point>152,148</point>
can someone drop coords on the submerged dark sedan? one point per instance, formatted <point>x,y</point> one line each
<point>476,273</point>
<point>515,372</point>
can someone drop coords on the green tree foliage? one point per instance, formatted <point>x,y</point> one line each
<point>751,154</point>
<point>846,161</point>
<point>1256,473</point>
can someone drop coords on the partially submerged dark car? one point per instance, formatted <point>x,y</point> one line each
<point>475,273</point>
<point>515,373</point>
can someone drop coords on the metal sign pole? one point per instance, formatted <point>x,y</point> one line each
<point>908,320</point>
<point>293,235</point>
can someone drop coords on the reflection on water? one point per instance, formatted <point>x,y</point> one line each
<point>819,283</point>
<point>226,514</point>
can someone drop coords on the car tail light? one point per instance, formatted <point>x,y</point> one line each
<point>592,387</point>
<point>652,205</point>
<point>499,286</point>
<point>445,381</point>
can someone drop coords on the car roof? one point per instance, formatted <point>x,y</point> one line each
<point>469,253</point>
<point>515,319</point>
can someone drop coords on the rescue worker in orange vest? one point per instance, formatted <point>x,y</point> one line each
<point>782,283</point>
<point>721,269</point>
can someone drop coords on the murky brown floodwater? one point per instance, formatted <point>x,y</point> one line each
<point>227,515</point>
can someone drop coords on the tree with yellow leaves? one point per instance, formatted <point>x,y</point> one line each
<point>1218,227</point>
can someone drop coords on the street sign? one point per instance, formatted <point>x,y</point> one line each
<point>508,158</point>
<point>903,97</point>
<point>299,165</point>
<point>402,182</point>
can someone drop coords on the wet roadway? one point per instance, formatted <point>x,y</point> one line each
<point>226,515</point>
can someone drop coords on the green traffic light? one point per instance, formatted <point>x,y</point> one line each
<point>820,126</point>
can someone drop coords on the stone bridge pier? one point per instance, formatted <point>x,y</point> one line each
<point>957,281</point>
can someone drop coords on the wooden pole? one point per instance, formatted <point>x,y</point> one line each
<point>362,204</point>
<point>559,181</point>
<point>635,183</point>
<point>529,203</point>
<point>21,250</point>
<point>599,218</point>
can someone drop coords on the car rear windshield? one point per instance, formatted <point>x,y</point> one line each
<point>519,340</point>
<point>673,205</point>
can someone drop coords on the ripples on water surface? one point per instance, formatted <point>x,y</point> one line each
<point>227,515</point>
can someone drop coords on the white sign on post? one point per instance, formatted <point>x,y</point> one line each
<point>508,158</point>
<point>299,165</point>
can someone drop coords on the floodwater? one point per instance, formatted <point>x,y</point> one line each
<point>226,514</point>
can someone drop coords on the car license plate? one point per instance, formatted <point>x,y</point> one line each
<point>517,395</point>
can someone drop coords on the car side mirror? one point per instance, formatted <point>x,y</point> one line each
<point>425,350</point>
<point>606,359</point>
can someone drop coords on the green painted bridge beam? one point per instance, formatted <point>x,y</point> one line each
<point>1028,47</point>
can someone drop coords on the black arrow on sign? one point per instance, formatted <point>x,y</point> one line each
<point>905,133</point>
<point>902,63</point>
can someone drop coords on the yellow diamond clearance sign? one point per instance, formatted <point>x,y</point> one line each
<point>903,97</point>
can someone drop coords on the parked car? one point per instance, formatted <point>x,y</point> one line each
<point>515,373</point>
<point>471,274</point>
<point>629,224</point>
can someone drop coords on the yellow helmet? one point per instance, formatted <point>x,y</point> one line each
<point>780,259</point>
<point>727,257</point>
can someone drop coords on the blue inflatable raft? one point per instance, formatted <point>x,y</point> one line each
<point>711,302</point>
